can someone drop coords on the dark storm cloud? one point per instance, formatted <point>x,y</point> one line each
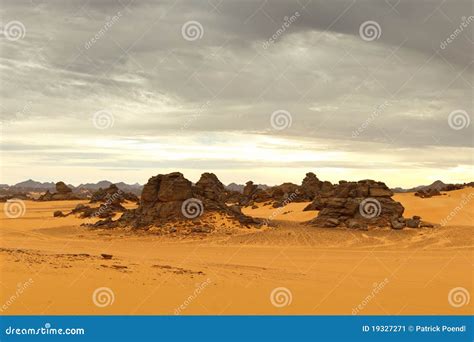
<point>130,58</point>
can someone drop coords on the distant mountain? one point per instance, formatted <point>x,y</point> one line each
<point>31,185</point>
<point>88,188</point>
<point>235,187</point>
<point>437,185</point>
<point>92,187</point>
<point>240,187</point>
<point>95,186</point>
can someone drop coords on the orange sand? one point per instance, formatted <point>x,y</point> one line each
<point>327,271</point>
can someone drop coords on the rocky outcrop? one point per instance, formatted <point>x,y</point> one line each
<point>173,198</point>
<point>113,194</point>
<point>310,188</point>
<point>63,192</point>
<point>427,193</point>
<point>210,187</point>
<point>62,188</point>
<point>250,189</point>
<point>357,205</point>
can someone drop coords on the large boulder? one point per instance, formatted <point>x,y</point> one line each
<point>172,197</point>
<point>62,188</point>
<point>311,185</point>
<point>249,189</point>
<point>63,192</point>
<point>357,205</point>
<point>210,187</point>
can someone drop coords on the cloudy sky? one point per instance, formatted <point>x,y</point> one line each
<point>262,90</point>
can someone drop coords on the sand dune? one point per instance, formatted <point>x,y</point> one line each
<point>458,203</point>
<point>291,212</point>
<point>326,271</point>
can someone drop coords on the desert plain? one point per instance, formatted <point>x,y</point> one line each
<point>58,265</point>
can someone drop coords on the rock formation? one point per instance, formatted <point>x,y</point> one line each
<point>357,205</point>
<point>310,188</point>
<point>427,193</point>
<point>63,192</point>
<point>171,198</point>
<point>113,194</point>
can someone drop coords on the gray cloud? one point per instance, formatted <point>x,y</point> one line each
<point>76,59</point>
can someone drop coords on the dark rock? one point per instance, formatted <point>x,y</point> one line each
<point>63,192</point>
<point>397,223</point>
<point>249,189</point>
<point>356,224</point>
<point>106,256</point>
<point>413,222</point>
<point>62,188</point>
<point>58,213</point>
<point>114,195</point>
<point>172,197</point>
<point>311,185</point>
<point>367,202</point>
